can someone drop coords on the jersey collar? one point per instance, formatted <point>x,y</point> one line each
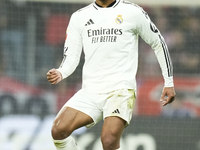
<point>112,5</point>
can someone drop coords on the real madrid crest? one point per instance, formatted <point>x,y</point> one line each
<point>119,19</point>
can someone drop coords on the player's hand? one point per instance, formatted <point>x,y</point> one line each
<point>168,95</point>
<point>54,76</point>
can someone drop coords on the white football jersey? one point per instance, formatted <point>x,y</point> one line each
<point>109,39</point>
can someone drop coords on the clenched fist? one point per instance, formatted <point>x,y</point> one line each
<point>54,76</point>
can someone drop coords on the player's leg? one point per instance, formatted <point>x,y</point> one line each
<point>68,120</point>
<point>112,130</point>
<point>117,113</point>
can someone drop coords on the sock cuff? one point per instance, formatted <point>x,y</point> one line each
<point>61,143</point>
<point>68,142</point>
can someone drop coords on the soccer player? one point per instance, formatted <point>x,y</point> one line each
<point>107,31</point>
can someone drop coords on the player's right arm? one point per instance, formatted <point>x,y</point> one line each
<point>72,53</point>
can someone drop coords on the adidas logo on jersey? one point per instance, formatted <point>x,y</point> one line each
<point>89,22</point>
<point>116,111</point>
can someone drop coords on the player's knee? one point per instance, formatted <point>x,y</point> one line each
<point>110,141</point>
<point>59,132</point>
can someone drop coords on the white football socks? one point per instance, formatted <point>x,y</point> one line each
<point>66,144</point>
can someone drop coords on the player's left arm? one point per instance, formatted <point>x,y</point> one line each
<point>151,35</point>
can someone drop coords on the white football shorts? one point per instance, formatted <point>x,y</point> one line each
<point>98,106</point>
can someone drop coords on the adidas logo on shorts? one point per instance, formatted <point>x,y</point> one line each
<point>116,111</point>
